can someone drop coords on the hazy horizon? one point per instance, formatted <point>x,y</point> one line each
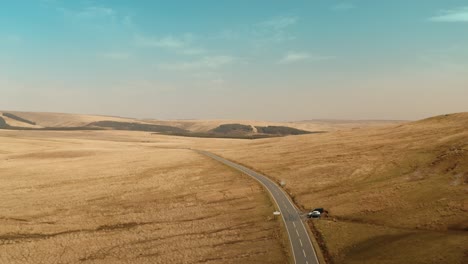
<point>271,60</point>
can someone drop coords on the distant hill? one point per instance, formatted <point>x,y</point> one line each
<point>132,126</point>
<point>17,118</point>
<point>312,125</point>
<point>281,130</point>
<point>3,123</point>
<point>193,128</point>
<point>247,131</point>
<point>233,129</point>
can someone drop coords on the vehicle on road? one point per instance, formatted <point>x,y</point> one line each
<point>316,213</point>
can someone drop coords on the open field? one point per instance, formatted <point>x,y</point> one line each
<point>67,200</point>
<point>396,193</point>
<point>407,183</point>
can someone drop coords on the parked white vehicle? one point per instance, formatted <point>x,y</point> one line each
<point>314,214</point>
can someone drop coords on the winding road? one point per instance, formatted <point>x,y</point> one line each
<point>301,245</point>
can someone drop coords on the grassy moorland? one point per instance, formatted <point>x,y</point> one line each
<point>396,194</point>
<point>93,197</point>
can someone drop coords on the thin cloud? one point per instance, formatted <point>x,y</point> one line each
<point>165,42</point>
<point>115,55</point>
<point>454,15</point>
<point>193,51</point>
<point>293,56</point>
<point>209,62</point>
<point>279,23</point>
<point>91,12</point>
<point>276,30</point>
<point>343,6</point>
<point>96,11</point>
<point>182,45</point>
<point>98,15</point>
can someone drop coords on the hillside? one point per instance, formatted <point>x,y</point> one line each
<point>280,130</point>
<point>243,129</point>
<point>133,126</point>
<point>309,125</point>
<point>395,184</point>
<point>60,119</point>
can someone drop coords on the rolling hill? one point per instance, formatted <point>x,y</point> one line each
<point>192,128</point>
<point>393,189</point>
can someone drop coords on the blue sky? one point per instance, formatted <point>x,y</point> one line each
<point>273,60</point>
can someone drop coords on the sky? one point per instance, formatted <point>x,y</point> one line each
<point>244,59</point>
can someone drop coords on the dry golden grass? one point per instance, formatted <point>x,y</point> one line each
<point>366,243</point>
<point>407,177</point>
<point>396,194</point>
<point>70,197</point>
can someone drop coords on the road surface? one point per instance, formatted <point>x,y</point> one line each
<point>301,245</point>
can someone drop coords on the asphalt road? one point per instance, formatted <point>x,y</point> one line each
<point>301,244</point>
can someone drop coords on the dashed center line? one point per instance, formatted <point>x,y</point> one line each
<point>300,241</point>
<point>303,251</point>
<point>297,233</point>
<point>294,224</point>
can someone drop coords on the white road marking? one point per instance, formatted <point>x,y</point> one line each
<point>300,241</point>
<point>303,251</point>
<point>294,224</point>
<point>297,233</point>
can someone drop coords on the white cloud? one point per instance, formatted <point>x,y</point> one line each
<point>294,56</point>
<point>95,14</point>
<point>273,30</point>
<point>182,45</point>
<point>209,62</point>
<point>454,15</point>
<point>96,11</point>
<point>91,12</point>
<point>343,6</point>
<point>165,42</point>
<point>279,23</point>
<point>115,55</point>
